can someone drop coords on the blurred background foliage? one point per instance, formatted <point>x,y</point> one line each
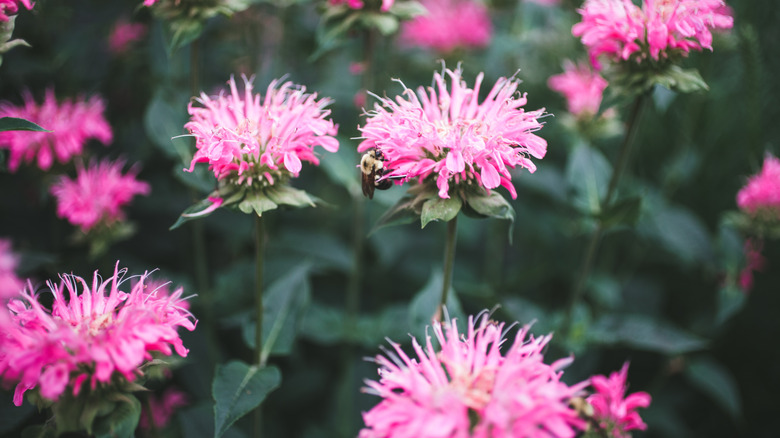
<point>663,292</point>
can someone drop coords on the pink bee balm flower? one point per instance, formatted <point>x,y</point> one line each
<point>468,388</point>
<point>448,135</point>
<point>10,284</point>
<point>246,138</point>
<point>124,34</point>
<point>11,7</point>
<point>612,409</point>
<point>449,24</point>
<point>761,194</point>
<point>150,2</point>
<point>162,409</point>
<point>97,195</point>
<point>95,335</point>
<point>72,123</point>
<point>620,30</point>
<point>581,86</point>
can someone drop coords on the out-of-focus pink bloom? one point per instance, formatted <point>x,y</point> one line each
<point>581,86</point>
<point>10,284</point>
<point>358,4</point>
<point>162,408</point>
<point>97,195</point>
<point>150,2</point>
<point>448,135</point>
<point>357,68</point>
<point>11,7</point>
<point>449,24</point>
<point>88,336</point>
<point>72,123</point>
<point>124,34</point>
<point>612,409</point>
<point>469,388</point>
<point>246,138</point>
<point>754,261</point>
<point>620,30</point>
<point>761,194</point>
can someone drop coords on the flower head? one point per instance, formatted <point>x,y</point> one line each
<point>249,139</point>
<point>11,7</point>
<point>469,388</point>
<point>72,122</point>
<point>104,331</point>
<point>620,30</point>
<point>761,194</point>
<point>612,409</point>
<point>124,34</point>
<point>161,409</point>
<point>97,195</point>
<point>449,24</point>
<point>448,135</point>
<point>10,284</point>
<point>581,86</point>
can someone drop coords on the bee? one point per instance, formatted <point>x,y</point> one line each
<point>372,167</point>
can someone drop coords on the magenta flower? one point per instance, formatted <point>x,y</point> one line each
<point>612,409</point>
<point>72,123</point>
<point>448,135</point>
<point>249,139</point>
<point>124,34</point>
<point>97,195</point>
<point>90,337</point>
<point>11,7</point>
<point>761,194</point>
<point>162,408</point>
<point>581,86</point>
<point>620,30</point>
<point>468,388</point>
<point>449,24</point>
<point>10,284</point>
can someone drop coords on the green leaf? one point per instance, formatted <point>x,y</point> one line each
<point>286,195</point>
<point>438,209</point>
<point>17,124</point>
<point>400,213</point>
<point>644,333</point>
<point>716,381</point>
<point>256,202</point>
<point>682,233</point>
<point>238,388</point>
<point>682,80</point>
<point>340,168</point>
<point>493,205</point>
<point>588,173</point>
<point>164,119</point>
<point>122,421</point>
<point>623,212</point>
<point>407,10</point>
<point>426,302</point>
<point>39,432</point>
<point>182,32</point>
<point>199,210</point>
<point>386,24</point>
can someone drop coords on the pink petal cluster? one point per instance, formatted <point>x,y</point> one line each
<point>468,388</point>
<point>761,194</point>
<point>620,30</point>
<point>358,4</point>
<point>11,7</point>
<point>88,337</point>
<point>162,409</point>
<point>449,24</point>
<point>245,137</point>
<point>10,284</point>
<point>97,195</point>
<point>582,87</point>
<point>450,136</point>
<point>150,2</point>
<point>72,123</point>
<point>754,262</point>
<point>124,34</point>
<point>612,409</point>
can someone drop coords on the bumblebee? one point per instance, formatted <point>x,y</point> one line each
<point>372,169</point>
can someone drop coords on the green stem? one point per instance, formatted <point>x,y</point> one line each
<point>449,262</point>
<point>259,359</point>
<point>595,239</point>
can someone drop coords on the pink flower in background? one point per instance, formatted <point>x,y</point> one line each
<point>754,262</point>
<point>620,30</point>
<point>72,123</point>
<point>581,86</point>
<point>11,7</point>
<point>10,284</point>
<point>124,34</point>
<point>246,138</point>
<point>162,408</point>
<point>150,2</point>
<point>90,336</point>
<point>97,195</point>
<point>761,194</point>
<point>358,4</point>
<point>612,409</point>
<point>468,388</point>
<point>449,24</point>
<point>448,135</point>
